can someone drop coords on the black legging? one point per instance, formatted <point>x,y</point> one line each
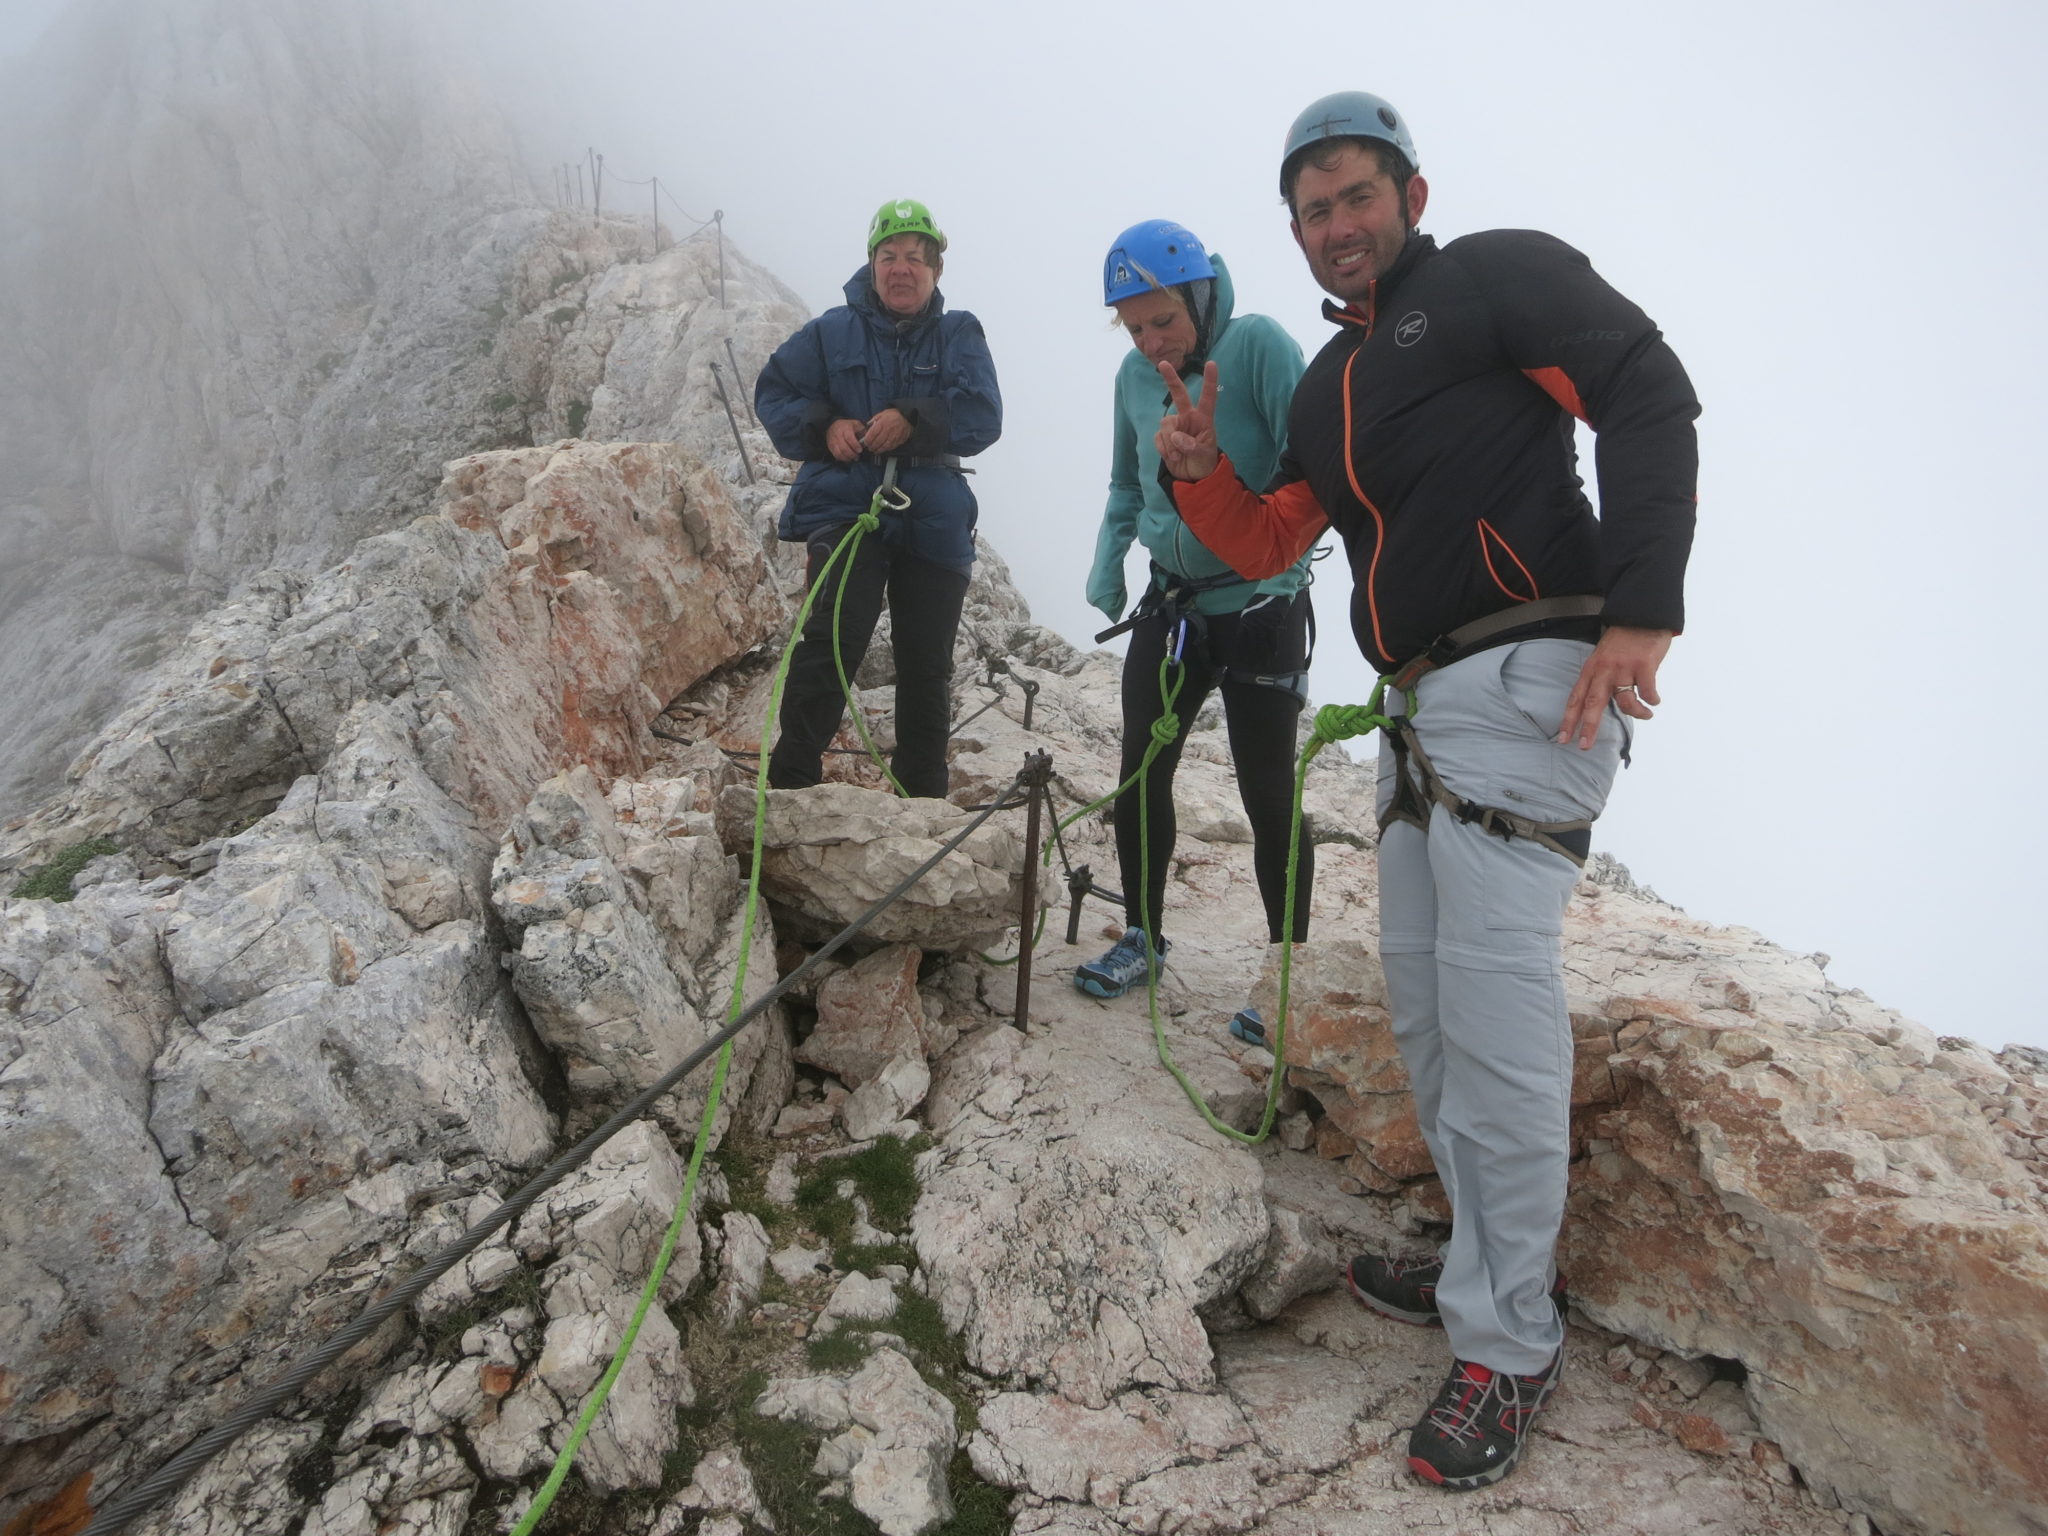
<point>924,614</point>
<point>1269,638</point>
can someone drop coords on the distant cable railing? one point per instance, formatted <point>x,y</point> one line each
<point>570,193</point>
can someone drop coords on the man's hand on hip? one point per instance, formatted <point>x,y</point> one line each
<point>1187,438</point>
<point>1622,669</point>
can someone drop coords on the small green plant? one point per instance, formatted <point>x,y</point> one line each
<point>579,413</point>
<point>501,401</point>
<point>885,1173</point>
<point>979,1508</point>
<point>779,1454</point>
<point>841,1351</point>
<point>870,1257</point>
<point>564,315</point>
<point>52,881</point>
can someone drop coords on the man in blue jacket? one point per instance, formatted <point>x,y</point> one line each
<point>889,374</point>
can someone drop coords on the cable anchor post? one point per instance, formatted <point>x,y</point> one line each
<point>1037,775</point>
<point>1030,688</point>
<point>1080,886</point>
<point>732,421</point>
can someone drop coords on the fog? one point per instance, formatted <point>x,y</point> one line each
<point>1830,209</point>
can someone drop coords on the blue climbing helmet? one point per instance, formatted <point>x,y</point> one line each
<point>1155,254</point>
<point>1344,115</point>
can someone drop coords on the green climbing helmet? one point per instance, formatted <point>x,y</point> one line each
<point>903,216</point>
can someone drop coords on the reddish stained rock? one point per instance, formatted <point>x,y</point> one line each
<point>1697,1432</point>
<point>65,1515</point>
<point>868,1016</point>
<point>1770,1170</point>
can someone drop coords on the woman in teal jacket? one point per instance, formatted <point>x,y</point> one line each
<point>1250,639</point>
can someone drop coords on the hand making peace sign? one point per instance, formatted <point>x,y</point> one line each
<point>1187,438</point>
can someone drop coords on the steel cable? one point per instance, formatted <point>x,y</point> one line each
<point>122,1510</point>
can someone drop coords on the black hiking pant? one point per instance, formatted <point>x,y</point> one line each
<point>924,614</point>
<point>1271,637</point>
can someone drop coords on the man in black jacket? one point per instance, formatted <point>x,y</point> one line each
<point>1434,433</point>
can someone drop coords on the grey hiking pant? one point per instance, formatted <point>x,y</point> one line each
<point>1469,937</point>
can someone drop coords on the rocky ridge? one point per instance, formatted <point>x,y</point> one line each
<point>272,266</point>
<point>488,885</point>
<point>429,851</point>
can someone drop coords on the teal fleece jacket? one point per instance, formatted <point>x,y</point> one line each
<point>1258,364</point>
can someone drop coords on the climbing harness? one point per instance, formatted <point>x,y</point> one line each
<point>1419,789</point>
<point>1172,595</point>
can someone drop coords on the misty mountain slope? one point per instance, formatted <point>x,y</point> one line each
<point>278,265</point>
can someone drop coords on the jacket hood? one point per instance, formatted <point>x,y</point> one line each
<point>862,298</point>
<point>1224,294</point>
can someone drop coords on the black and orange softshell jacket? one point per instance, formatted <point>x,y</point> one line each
<point>1434,433</point>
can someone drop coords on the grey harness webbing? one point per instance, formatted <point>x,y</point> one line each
<point>1413,802</point>
<point>1494,629</point>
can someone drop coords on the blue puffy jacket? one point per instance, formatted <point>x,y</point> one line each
<point>857,359</point>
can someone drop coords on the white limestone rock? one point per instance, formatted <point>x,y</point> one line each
<point>857,1298</point>
<point>1054,1448</point>
<point>740,1267</point>
<point>721,1486</point>
<point>892,1438</point>
<point>1074,1219</point>
<point>605,1221</point>
<point>831,852</point>
<point>244,1491</point>
<point>879,1105</point>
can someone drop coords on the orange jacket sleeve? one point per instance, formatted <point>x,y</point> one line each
<point>1257,536</point>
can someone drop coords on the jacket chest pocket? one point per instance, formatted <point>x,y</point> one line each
<point>848,382</point>
<point>921,379</point>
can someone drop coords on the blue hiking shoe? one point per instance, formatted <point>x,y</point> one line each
<point>1248,1026</point>
<point>1122,968</point>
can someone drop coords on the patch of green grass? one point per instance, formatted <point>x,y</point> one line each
<point>841,1351</point>
<point>884,1172</point>
<point>52,881</point>
<point>501,401</point>
<point>579,413</point>
<point>745,1161</point>
<point>869,1257</point>
<point>979,1508</point>
<point>779,1455</point>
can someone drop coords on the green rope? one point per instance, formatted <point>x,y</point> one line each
<point>648,1292</point>
<point>863,525</point>
<point>1333,722</point>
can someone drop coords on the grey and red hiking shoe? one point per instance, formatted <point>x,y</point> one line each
<point>1473,1432</point>
<point>1405,1289</point>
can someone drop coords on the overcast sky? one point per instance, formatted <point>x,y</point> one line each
<point>1832,210</point>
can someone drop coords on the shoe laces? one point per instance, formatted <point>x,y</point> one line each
<point>1457,1418</point>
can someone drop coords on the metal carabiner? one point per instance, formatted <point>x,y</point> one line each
<point>890,496</point>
